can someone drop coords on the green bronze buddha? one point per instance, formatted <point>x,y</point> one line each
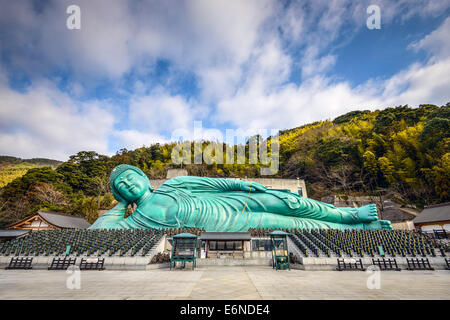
<point>217,204</point>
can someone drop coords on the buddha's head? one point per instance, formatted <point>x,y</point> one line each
<point>128,183</point>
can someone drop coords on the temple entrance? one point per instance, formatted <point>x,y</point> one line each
<point>225,249</point>
<point>223,245</point>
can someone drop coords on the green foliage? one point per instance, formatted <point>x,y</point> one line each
<point>9,173</point>
<point>330,151</point>
<point>391,119</point>
<point>12,167</point>
<point>349,116</point>
<point>437,127</point>
<point>398,150</point>
<point>387,169</point>
<point>370,162</point>
<point>39,162</point>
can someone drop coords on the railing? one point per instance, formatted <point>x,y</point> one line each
<point>418,264</point>
<point>92,264</point>
<point>62,263</point>
<point>20,263</point>
<point>349,264</point>
<point>386,264</point>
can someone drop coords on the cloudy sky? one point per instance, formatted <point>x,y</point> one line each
<point>137,71</point>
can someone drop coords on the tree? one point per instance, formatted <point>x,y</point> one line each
<point>46,193</point>
<point>370,163</point>
<point>435,130</point>
<point>387,169</point>
<point>442,177</point>
<point>349,116</point>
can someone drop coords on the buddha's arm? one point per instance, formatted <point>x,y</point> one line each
<point>111,218</point>
<point>201,184</point>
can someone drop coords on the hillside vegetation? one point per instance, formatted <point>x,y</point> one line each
<point>12,167</point>
<point>403,152</point>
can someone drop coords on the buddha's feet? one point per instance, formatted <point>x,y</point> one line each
<point>368,213</point>
<point>378,225</point>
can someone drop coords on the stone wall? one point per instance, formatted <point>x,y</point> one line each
<point>407,225</point>
<point>172,173</point>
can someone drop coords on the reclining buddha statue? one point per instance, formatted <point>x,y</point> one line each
<point>217,204</point>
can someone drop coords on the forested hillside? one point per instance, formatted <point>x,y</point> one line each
<point>12,167</point>
<point>402,152</point>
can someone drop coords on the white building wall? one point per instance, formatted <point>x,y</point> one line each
<point>430,228</point>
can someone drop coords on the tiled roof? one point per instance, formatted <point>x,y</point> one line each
<point>64,221</point>
<point>438,212</point>
<point>12,233</point>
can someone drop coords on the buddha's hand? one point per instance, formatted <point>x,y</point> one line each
<point>111,217</point>
<point>122,205</point>
<point>118,211</point>
<point>252,186</point>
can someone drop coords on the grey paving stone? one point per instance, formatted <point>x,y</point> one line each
<point>224,282</point>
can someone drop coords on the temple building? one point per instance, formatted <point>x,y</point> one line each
<point>7,235</point>
<point>45,220</point>
<point>435,217</point>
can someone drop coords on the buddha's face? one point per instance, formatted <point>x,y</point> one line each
<point>131,185</point>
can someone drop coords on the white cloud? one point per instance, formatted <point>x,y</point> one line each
<point>319,98</point>
<point>398,10</point>
<point>256,106</point>
<point>44,122</point>
<point>132,139</point>
<point>160,112</point>
<point>437,42</point>
<point>40,38</point>
<point>116,36</point>
<point>419,84</point>
<point>314,65</point>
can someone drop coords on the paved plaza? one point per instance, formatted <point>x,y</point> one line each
<point>219,282</point>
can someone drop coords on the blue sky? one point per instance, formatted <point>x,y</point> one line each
<point>140,72</point>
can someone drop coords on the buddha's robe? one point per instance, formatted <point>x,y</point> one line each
<point>217,204</point>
